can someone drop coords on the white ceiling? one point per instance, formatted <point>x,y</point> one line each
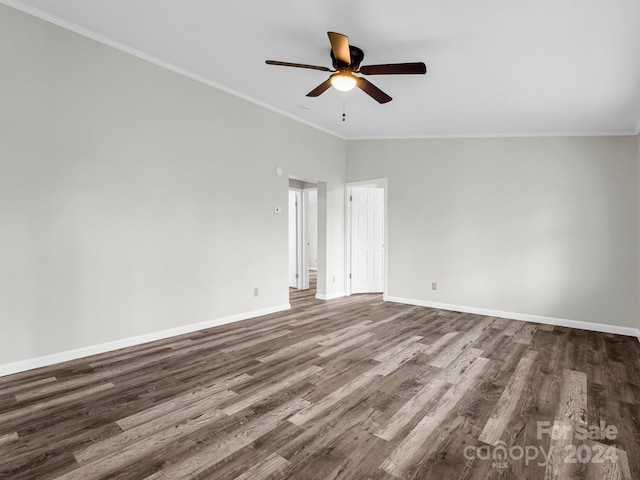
<point>495,67</point>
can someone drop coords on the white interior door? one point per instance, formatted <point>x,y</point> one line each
<point>367,240</point>
<point>294,244</point>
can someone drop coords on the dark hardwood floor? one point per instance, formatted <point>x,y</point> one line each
<point>354,388</point>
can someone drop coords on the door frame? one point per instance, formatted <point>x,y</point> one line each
<point>299,233</point>
<point>375,183</point>
<point>302,240</point>
<point>305,234</point>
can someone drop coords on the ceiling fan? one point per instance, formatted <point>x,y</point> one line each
<point>346,61</point>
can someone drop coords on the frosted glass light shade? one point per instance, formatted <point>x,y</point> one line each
<point>344,83</point>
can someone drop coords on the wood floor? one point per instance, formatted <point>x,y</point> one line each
<point>354,388</point>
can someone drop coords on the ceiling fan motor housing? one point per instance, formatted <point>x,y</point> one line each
<point>357,55</point>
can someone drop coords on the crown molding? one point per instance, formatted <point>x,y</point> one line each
<point>435,136</point>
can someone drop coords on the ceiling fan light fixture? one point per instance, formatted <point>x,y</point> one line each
<point>343,82</point>
<point>346,61</point>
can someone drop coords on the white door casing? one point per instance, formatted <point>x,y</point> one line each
<point>309,227</point>
<point>367,239</point>
<point>294,229</point>
<point>310,220</point>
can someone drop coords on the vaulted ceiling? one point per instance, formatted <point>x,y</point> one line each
<point>496,67</point>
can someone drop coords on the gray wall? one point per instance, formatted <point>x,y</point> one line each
<point>538,226</point>
<point>134,200</point>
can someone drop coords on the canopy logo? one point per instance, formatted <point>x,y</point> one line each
<point>562,449</point>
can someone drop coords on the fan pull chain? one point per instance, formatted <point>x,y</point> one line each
<point>344,115</point>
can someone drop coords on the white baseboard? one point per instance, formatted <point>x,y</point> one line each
<point>29,364</point>
<point>330,296</point>
<point>559,322</point>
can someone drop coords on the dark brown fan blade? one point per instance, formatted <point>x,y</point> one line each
<point>395,69</point>
<point>320,89</point>
<point>340,47</point>
<point>298,65</point>
<point>370,89</point>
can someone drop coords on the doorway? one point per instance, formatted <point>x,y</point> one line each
<point>303,234</point>
<point>366,237</point>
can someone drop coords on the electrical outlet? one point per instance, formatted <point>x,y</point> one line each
<point>434,285</point>
<point>255,292</point>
